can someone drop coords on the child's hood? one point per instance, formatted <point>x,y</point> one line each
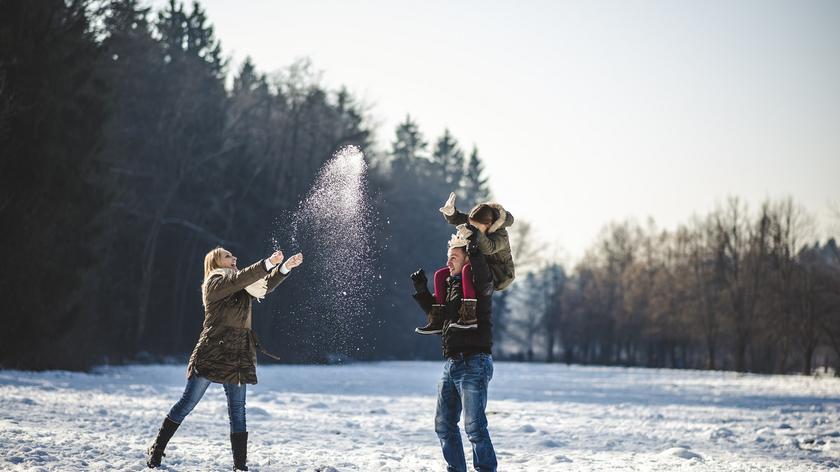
<point>504,220</point>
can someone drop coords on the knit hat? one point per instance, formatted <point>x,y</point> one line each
<point>457,241</point>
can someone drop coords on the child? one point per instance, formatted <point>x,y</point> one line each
<point>490,219</point>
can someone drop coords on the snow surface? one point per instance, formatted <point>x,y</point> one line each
<point>379,417</point>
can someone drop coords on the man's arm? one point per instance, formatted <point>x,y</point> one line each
<point>421,289</point>
<point>425,300</point>
<point>482,278</point>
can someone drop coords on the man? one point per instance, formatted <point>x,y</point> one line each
<point>469,364</point>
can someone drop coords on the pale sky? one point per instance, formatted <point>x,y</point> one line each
<point>586,112</point>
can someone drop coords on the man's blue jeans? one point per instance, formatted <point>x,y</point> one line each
<point>196,386</point>
<point>464,384</point>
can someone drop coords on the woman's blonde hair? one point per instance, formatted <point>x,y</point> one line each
<point>213,260</point>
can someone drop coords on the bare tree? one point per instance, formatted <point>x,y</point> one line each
<point>745,249</point>
<point>790,227</point>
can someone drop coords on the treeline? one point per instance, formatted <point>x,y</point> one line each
<point>126,153</point>
<point>732,290</point>
<point>125,158</point>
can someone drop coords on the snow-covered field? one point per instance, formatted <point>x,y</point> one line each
<point>379,417</point>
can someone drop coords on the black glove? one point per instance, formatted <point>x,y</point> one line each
<point>472,246</point>
<point>419,280</point>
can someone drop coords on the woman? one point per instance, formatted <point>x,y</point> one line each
<point>226,350</point>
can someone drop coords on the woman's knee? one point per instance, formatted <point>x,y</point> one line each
<point>189,399</point>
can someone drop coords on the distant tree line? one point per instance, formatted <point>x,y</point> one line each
<point>128,150</point>
<point>731,290</point>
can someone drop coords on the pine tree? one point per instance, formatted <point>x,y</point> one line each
<point>408,147</point>
<point>474,184</point>
<point>449,161</point>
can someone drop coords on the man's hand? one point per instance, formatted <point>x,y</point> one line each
<point>276,258</point>
<point>448,208</point>
<point>293,261</point>
<point>418,278</point>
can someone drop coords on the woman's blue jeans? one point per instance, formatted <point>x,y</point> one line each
<point>464,386</point>
<point>196,386</point>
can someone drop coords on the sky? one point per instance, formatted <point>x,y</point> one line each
<point>586,112</point>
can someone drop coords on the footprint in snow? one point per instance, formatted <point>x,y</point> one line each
<point>721,433</point>
<point>682,453</point>
<point>550,443</point>
<point>257,411</point>
<point>561,459</point>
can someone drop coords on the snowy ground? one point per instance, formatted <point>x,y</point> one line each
<point>379,417</point>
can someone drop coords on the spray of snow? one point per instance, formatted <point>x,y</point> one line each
<point>332,226</point>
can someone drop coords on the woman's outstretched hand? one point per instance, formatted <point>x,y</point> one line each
<point>276,258</point>
<point>294,261</point>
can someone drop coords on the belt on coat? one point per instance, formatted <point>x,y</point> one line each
<point>260,347</point>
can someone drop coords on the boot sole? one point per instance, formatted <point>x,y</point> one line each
<point>434,331</point>
<point>460,326</point>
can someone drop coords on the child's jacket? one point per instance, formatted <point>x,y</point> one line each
<point>495,244</point>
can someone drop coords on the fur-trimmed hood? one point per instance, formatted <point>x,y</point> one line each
<point>504,220</point>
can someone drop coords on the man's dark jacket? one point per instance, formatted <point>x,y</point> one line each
<point>466,341</point>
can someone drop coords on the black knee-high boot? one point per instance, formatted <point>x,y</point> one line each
<point>155,451</point>
<point>239,446</point>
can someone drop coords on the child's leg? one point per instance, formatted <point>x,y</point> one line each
<point>440,285</point>
<point>467,318</point>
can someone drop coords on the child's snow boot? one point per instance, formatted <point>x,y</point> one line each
<point>467,318</point>
<point>436,316</point>
<point>155,452</point>
<point>239,446</point>
<point>435,321</point>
